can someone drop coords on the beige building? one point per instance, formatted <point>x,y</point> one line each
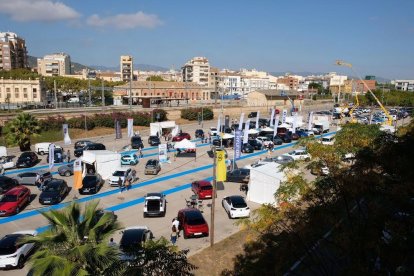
<point>127,68</point>
<point>22,91</point>
<point>54,65</point>
<point>197,70</point>
<point>273,97</point>
<point>13,52</point>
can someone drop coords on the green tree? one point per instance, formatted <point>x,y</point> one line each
<point>154,78</point>
<point>76,243</point>
<point>21,129</point>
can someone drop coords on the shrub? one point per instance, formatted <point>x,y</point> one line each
<point>79,122</point>
<point>191,114</point>
<point>52,123</point>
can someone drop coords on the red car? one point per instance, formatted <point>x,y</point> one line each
<point>192,223</point>
<point>203,189</point>
<point>14,200</point>
<point>181,136</point>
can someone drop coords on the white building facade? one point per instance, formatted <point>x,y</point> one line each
<point>21,91</point>
<point>197,70</point>
<point>404,85</point>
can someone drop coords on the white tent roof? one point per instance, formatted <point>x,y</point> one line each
<point>157,127</point>
<point>284,125</point>
<point>267,129</point>
<point>253,131</point>
<point>185,144</point>
<point>91,156</point>
<point>227,136</point>
<point>264,182</point>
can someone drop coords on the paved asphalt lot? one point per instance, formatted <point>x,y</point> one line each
<point>173,180</point>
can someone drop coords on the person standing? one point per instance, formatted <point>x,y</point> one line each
<point>140,153</point>
<point>176,223</point>
<point>127,184</point>
<point>173,235</point>
<point>68,156</point>
<point>120,184</point>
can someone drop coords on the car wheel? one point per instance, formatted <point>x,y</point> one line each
<point>20,262</point>
<point>184,235</point>
<point>41,153</point>
<point>228,214</point>
<point>144,215</point>
<point>67,173</point>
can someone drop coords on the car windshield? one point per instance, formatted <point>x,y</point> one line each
<point>238,202</point>
<point>151,163</point>
<point>206,188</point>
<point>194,218</point>
<point>135,139</point>
<point>8,244</point>
<point>9,198</point>
<point>89,180</point>
<point>52,187</point>
<point>119,173</point>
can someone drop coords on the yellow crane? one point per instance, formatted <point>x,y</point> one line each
<point>389,121</point>
<point>353,109</point>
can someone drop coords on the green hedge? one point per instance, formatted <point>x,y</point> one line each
<point>103,120</point>
<point>192,114</point>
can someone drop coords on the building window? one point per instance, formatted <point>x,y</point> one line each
<point>34,95</point>
<point>25,95</point>
<point>25,90</point>
<point>8,89</point>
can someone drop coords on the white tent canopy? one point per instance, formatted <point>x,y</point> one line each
<point>284,125</point>
<point>267,129</point>
<point>227,136</point>
<point>253,131</point>
<point>264,182</point>
<point>185,144</point>
<point>105,162</point>
<point>157,127</point>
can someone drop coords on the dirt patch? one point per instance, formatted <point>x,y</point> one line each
<point>213,260</point>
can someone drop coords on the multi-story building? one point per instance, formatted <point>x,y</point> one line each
<point>404,85</point>
<point>22,91</point>
<point>58,64</point>
<point>13,52</point>
<point>127,68</point>
<point>197,70</point>
<point>290,81</point>
<point>230,83</point>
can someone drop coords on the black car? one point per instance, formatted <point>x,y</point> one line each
<point>94,146</point>
<point>216,142</point>
<point>264,122</point>
<point>252,115</point>
<point>238,175</point>
<point>276,140</point>
<point>255,144</point>
<point>199,133</point>
<point>132,239</point>
<point>53,191</point>
<point>82,143</point>
<point>7,183</point>
<point>247,148</point>
<point>91,184</point>
<point>153,140</point>
<point>136,142</point>
<point>27,159</point>
<point>286,138</point>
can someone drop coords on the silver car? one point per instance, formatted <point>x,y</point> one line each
<point>29,178</point>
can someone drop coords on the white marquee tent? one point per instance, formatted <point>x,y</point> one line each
<point>185,144</point>
<point>158,127</point>
<point>105,162</point>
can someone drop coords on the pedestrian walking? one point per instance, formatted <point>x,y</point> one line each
<point>120,184</point>
<point>173,235</point>
<point>140,153</point>
<point>176,223</point>
<point>127,184</point>
<point>68,156</point>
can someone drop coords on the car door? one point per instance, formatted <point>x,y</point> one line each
<point>226,204</point>
<point>194,187</point>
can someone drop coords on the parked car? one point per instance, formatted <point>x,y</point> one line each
<point>54,191</point>
<point>252,115</point>
<point>154,140</point>
<point>265,140</point>
<point>247,148</point>
<point>213,131</point>
<point>286,138</point>
<point>256,144</point>
<point>43,148</point>
<point>192,223</point>
<point>123,173</point>
<point>12,253</point>
<point>7,162</point>
<point>216,142</point>
<point>27,159</point>
<point>275,139</point>
<point>66,170</point>
<point>181,136</point>
<point>155,204</point>
<point>94,146</point>
<point>302,133</point>
<point>7,183</point>
<point>235,206</point>
<point>203,189</point>
<point>91,184</point>
<point>136,142</point>
<point>294,136</point>
<point>82,143</point>
<point>199,133</point>
<point>29,178</point>
<point>129,159</point>
<point>320,170</point>
<point>133,238</point>
<point>238,175</point>
<point>281,159</point>
<point>14,200</point>
<point>328,140</point>
<point>299,154</point>
<point>152,167</point>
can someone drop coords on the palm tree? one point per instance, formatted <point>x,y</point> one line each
<point>20,129</point>
<point>77,243</point>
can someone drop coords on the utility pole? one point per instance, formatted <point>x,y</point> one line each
<point>213,202</point>
<point>54,84</point>
<point>89,91</point>
<point>103,94</point>
<point>130,94</point>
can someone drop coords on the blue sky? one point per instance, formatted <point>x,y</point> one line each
<point>376,36</point>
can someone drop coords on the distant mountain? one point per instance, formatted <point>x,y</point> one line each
<point>141,67</point>
<point>76,67</point>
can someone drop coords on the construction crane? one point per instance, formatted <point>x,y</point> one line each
<point>353,109</point>
<point>342,63</point>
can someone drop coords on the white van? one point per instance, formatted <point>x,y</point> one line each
<point>328,140</point>
<point>43,148</point>
<point>73,100</point>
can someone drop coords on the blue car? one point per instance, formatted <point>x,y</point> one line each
<point>129,159</point>
<point>301,133</point>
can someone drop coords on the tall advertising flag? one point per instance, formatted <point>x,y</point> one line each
<point>118,132</point>
<point>272,117</point>
<point>241,121</point>
<point>276,125</point>
<point>51,155</point>
<point>66,138</point>
<point>77,174</point>
<point>219,124</point>
<point>284,114</point>
<point>221,169</point>
<point>257,119</point>
<point>310,120</point>
<point>246,132</point>
<point>295,123</point>
<point>162,153</point>
<point>237,144</point>
<point>130,127</point>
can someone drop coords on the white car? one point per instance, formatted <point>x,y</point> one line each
<point>43,148</point>
<point>264,140</point>
<point>299,154</point>
<point>7,162</point>
<point>123,173</point>
<point>12,255</point>
<point>236,206</point>
<point>213,131</point>
<point>155,205</point>
<point>328,140</point>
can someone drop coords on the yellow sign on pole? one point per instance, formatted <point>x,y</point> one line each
<point>221,166</point>
<point>77,174</point>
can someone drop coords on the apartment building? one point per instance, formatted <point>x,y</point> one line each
<point>127,68</point>
<point>404,85</point>
<point>290,81</point>
<point>197,70</point>
<point>57,64</point>
<point>21,91</point>
<point>13,52</point>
